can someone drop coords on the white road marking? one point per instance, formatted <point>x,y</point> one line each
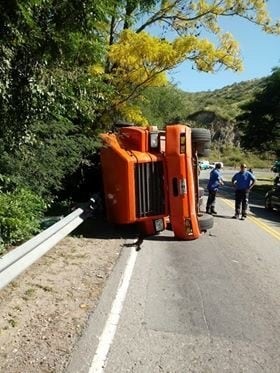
<point>105,340</point>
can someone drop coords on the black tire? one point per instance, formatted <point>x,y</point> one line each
<point>205,222</point>
<point>201,141</point>
<point>207,145</point>
<point>203,152</point>
<point>201,135</point>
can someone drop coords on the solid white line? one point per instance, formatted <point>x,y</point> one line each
<point>107,336</point>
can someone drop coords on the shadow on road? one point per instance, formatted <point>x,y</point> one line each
<point>98,227</point>
<point>272,216</point>
<point>223,216</point>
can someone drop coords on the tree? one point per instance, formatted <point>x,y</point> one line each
<point>161,105</point>
<point>49,100</point>
<point>261,121</point>
<point>40,39</point>
<point>137,60</point>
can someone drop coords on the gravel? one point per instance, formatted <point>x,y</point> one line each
<point>44,311</point>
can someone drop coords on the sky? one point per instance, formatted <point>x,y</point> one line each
<point>260,53</point>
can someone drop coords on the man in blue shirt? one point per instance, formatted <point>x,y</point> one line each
<point>243,182</point>
<point>213,185</point>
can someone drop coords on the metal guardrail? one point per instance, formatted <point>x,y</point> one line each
<point>19,259</point>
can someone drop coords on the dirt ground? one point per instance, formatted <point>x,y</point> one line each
<point>44,311</point>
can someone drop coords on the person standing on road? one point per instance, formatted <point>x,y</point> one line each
<point>243,182</point>
<point>214,182</point>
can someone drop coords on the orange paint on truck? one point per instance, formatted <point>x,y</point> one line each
<point>150,177</point>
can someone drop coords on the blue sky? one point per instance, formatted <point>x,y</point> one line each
<point>260,53</point>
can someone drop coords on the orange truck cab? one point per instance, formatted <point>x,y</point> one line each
<point>150,177</point>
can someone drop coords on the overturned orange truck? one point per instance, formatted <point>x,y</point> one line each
<point>150,177</point>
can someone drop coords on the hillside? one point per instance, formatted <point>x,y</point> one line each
<point>226,101</point>
<point>164,104</point>
<point>215,110</point>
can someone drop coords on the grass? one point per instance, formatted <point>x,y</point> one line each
<point>28,294</point>
<point>232,157</point>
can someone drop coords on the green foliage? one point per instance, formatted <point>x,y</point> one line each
<point>52,107</point>
<point>47,156</point>
<point>45,54</point>
<point>161,105</point>
<point>20,213</point>
<point>50,104</point>
<point>227,101</point>
<point>186,31</point>
<point>261,121</point>
<point>61,132</point>
<point>233,156</point>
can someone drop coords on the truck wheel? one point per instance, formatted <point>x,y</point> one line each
<point>201,141</point>
<point>205,222</point>
<point>203,152</point>
<point>201,135</point>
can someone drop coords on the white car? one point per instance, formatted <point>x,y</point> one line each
<point>203,165</point>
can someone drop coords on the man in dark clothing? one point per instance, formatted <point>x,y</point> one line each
<point>243,182</point>
<point>213,185</point>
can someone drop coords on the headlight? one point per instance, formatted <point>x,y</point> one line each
<point>182,187</point>
<point>182,143</point>
<point>158,224</point>
<point>154,140</point>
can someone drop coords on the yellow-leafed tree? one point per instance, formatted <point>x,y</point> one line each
<point>186,31</point>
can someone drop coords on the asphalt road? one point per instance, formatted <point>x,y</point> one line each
<point>209,305</point>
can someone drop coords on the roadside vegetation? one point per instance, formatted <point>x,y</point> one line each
<point>232,157</point>
<point>70,69</point>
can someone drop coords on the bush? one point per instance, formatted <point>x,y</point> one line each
<point>234,156</point>
<point>20,214</point>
